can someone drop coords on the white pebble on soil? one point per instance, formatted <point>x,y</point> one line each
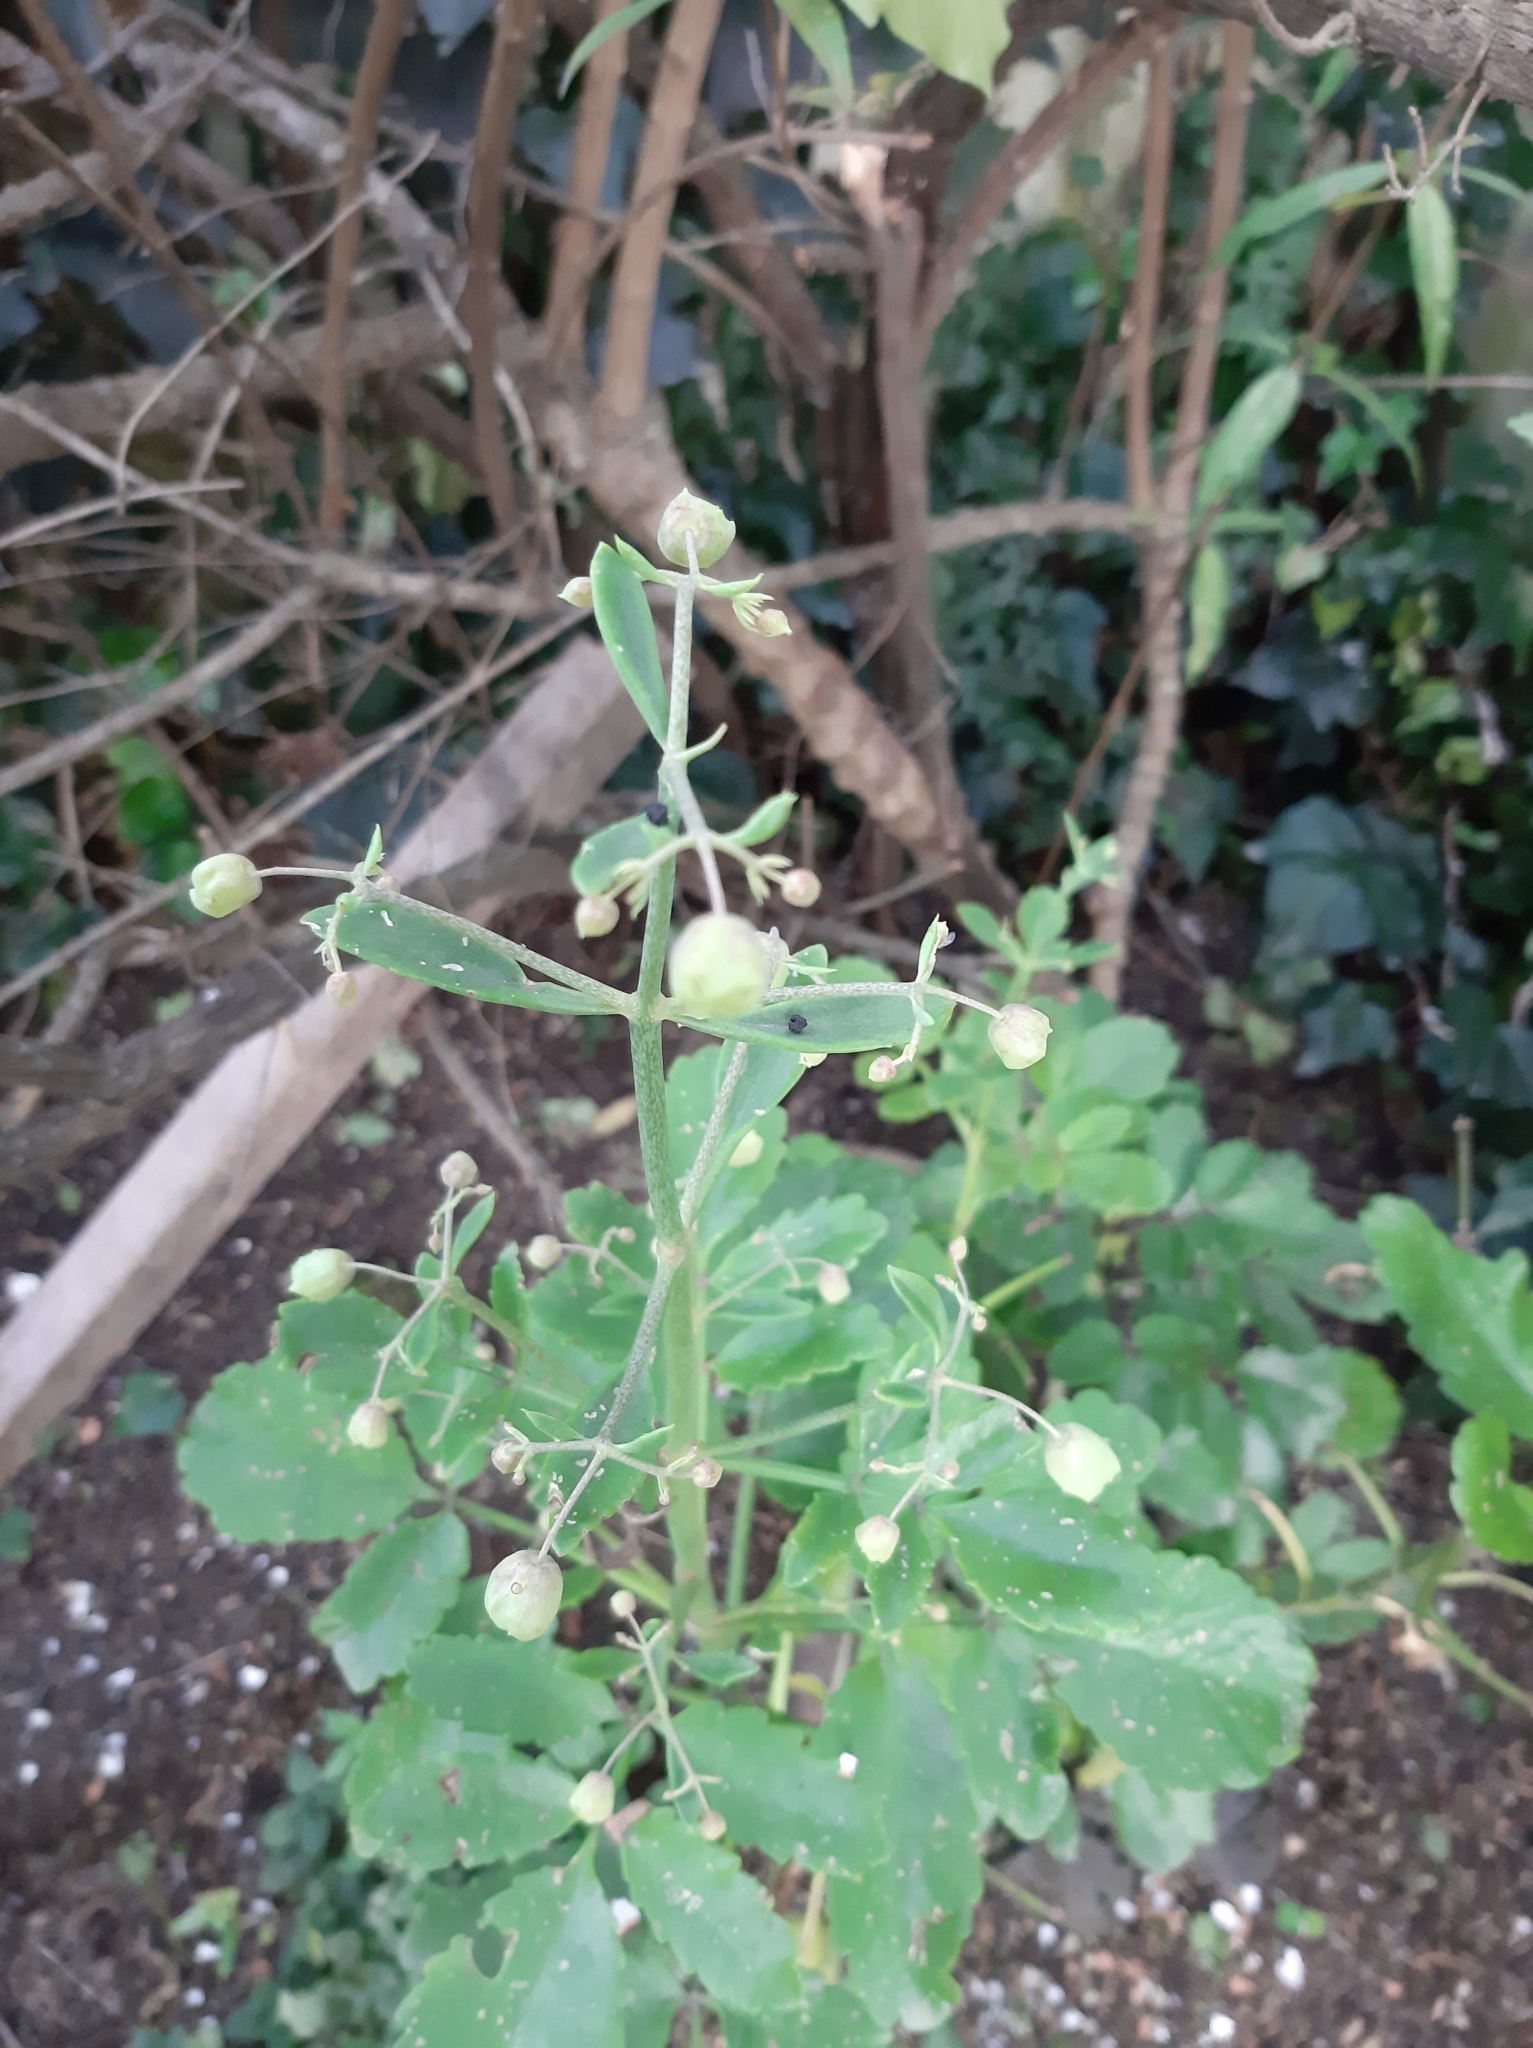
<point>250,1677</point>
<point>1126,1911</point>
<point>625,1916</point>
<point>29,1772</point>
<point>111,1760</point>
<point>1220,2027</point>
<point>1226,1918</point>
<point>116,1683</point>
<point>38,1718</point>
<point>1289,1970</point>
<point>1249,1899</point>
<point>1048,1936</point>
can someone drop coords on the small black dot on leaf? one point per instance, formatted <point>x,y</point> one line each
<point>657,814</point>
<point>798,1024</point>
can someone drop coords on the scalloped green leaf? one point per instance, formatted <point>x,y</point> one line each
<point>1008,1740</point>
<point>393,1596</point>
<point>1497,1512</point>
<point>533,1694</point>
<point>718,1921</point>
<point>623,616</point>
<point>266,1453</point>
<point>777,1792</point>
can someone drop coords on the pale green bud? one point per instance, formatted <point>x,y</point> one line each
<point>224,884</point>
<point>1019,1035</point>
<point>368,1428</point>
<point>624,1604</point>
<point>832,1285</point>
<point>458,1170</point>
<point>878,1538</point>
<point>1080,1462</point>
<point>321,1275</point>
<point>712,1826</point>
<point>711,531</point>
<point>718,967</point>
<point>761,618</point>
<point>593,1799</point>
<point>544,1253</point>
<point>801,888</point>
<point>595,916</point>
<point>749,1150</point>
<point>882,1070</point>
<point>706,1473</point>
<point>579,593</point>
<point>523,1594</point>
<point>342,989</point>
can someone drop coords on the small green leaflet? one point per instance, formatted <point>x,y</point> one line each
<point>622,612</point>
<point>561,1980</point>
<point>1250,427</point>
<point>819,23</point>
<point>963,40</point>
<point>719,1921</point>
<point>392,1597</point>
<point>1208,607</point>
<point>1497,1512</point>
<point>615,25</point>
<point>1272,216</point>
<point>1521,424</point>
<point>1159,1829</point>
<point>831,1019</point>
<point>1434,271</point>
<point>421,943</point>
<point>594,870</point>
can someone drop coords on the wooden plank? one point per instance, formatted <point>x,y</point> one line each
<point>264,1097</point>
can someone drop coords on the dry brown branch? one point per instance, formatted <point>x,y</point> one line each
<point>1164,559</point>
<point>1023,152</point>
<point>515,21</point>
<point>530,1169</point>
<point>1339,29</point>
<point>575,259</point>
<point>383,39</point>
<point>673,106</point>
<point>1143,314</point>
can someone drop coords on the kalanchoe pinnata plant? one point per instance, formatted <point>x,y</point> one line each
<point>855,1352</point>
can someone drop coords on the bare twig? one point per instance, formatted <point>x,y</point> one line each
<point>491,1117</point>
<point>575,256</point>
<point>383,40</point>
<point>1334,34</point>
<point>636,278</point>
<point>1143,314</point>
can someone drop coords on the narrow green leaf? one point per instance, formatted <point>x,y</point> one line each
<point>1208,607</point>
<point>1269,217</point>
<point>767,820</point>
<point>615,25</point>
<point>819,23</point>
<point>1434,271</point>
<point>719,1921</point>
<point>622,613</point>
<point>1247,431</point>
<point>1381,412</point>
<point>422,943</point>
<point>1497,1512</point>
<point>832,1020</point>
<point>392,1597</point>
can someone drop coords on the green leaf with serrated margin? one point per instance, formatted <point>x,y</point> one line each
<point>1008,1741</point>
<point>1159,1829</point>
<point>392,1597</point>
<point>421,943</point>
<point>622,612</point>
<point>1433,242</point>
<point>779,1794</point>
<point>533,1694</point>
<point>828,2016</point>
<point>1470,1318</point>
<point>718,1921</point>
<point>266,1453</point>
<point>1497,1512</point>
<point>1250,427</point>
<point>561,1979</point>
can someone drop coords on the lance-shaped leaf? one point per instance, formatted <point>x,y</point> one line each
<point>1247,431</point>
<point>1434,272</point>
<point>719,1922</point>
<point>422,943</point>
<point>1268,217</point>
<point>827,1019</point>
<point>622,611</point>
<point>1209,591</point>
<point>392,1597</point>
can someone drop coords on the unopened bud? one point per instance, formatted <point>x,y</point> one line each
<point>801,888</point>
<point>458,1170</point>
<point>321,1275</point>
<point>342,989</point>
<point>762,619</point>
<point>706,1473</point>
<point>593,1799</point>
<point>882,1070</point>
<point>749,1150</point>
<point>368,1428</point>
<point>832,1285</point>
<point>223,884</point>
<point>1079,1461</point>
<point>523,1594</point>
<point>1019,1035</point>
<point>878,1538</point>
<point>624,1604</point>
<point>507,1455</point>
<point>711,531</point>
<point>544,1253</point>
<point>595,916</point>
<point>718,967</point>
<point>579,593</point>
<point>712,1826</point>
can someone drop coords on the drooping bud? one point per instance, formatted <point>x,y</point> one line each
<point>718,967</point>
<point>593,1799</point>
<point>878,1538</point>
<point>458,1170</point>
<point>711,532</point>
<point>225,883</point>
<point>706,1473</point>
<point>544,1253</point>
<point>579,593</point>
<point>321,1275</point>
<point>595,916</point>
<point>1079,1461</point>
<point>801,888</point>
<point>523,1594</point>
<point>342,989</point>
<point>624,1605</point>
<point>1019,1035</point>
<point>749,1149</point>
<point>368,1428</point>
<point>882,1070</point>
<point>832,1285</point>
<point>712,1826</point>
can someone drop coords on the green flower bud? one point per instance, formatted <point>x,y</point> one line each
<point>523,1594</point>
<point>1019,1035</point>
<point>718,967</point>
<point>882,1070</point>
<point>749,1149</point>
<point>624,1604</point>
<point>544,1253</point>
<point>832,1285</point>
<point>321,1275</point>
<point>458,1170</point>
<point>595,916</point>
<point>342,989</point>
<point>593,1799</point>
<point>1080,1462</point>
<point>579,593</point>
<point>711,532</point>
<point>368,1428</point>
<point>801,888</point>
<point>706,1473</point>
<point>224,884</point>
<point>878,1538</point>
<point>712,1826</point>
